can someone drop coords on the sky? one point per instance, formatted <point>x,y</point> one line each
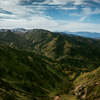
<point>53,15</point>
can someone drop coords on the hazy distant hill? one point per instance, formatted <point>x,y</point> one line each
<point>83,34</point>
<point>19,30</point>
<point>3,30</point>
<point>15,30</point>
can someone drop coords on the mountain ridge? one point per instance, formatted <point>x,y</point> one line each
<point>86,34</point>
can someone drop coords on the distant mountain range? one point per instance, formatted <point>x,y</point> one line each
<point>82,34</point>
<point>70,34</point>
<point>15,30</point>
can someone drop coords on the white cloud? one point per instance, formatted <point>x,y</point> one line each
<point>16,9</point>
<point>32,16</point>
<point>89,11</point>
<point>66,8</point>
<point>12,7</point>
<point>28,10</point>
<point>86,11</point>
<point>63,2</point>
<point>58,2</point>
<point>82,19</point>
<point>7,16</point>
<point>35,22</point>
<point>49,24</point>
<point>97,11</point>
<point>9,2</point>
<point>97,1</point>
<point>69,8</point>
<point>73,26</point>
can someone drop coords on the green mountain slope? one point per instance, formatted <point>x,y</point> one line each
<point>55,46</point>
<point>24,72</point>
<point>42,65</point>
<point>46,42</point>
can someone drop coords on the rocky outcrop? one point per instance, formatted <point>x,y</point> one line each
<point>88,90</point>
<point>80,91</point>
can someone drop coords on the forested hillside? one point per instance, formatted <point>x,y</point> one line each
<point>41,65</point>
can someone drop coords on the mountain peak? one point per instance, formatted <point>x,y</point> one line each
<point>9,31</point>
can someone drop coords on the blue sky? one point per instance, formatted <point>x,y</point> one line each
<point>53,15</point>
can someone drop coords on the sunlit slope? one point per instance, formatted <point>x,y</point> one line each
<point>87,86</point>
<point>56,46</point>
